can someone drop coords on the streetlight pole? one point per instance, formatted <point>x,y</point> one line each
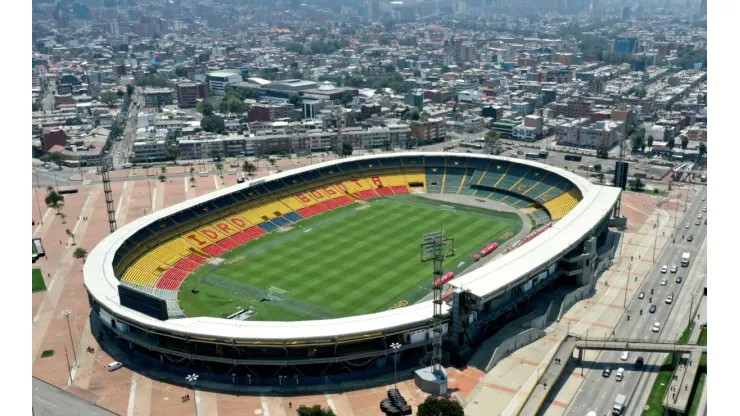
<point>657,225</point>
<point>38,202</point>
<point>192,378</point>
<point>395,346</point>
<point>69,369</point>
<point>66,314</point>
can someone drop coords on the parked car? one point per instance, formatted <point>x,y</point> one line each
<point>115,365</point>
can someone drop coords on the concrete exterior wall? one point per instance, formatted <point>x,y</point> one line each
<point>517,341</point>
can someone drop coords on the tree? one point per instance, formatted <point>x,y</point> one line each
<point>116,129</point>
<point>163,168</point>
<point>347,97</point>
<point>80,253</point>
<point>213,124</point>
<point>601,177</point>
<point>249,168</point>
<point>108,98</point>
<point>130,89</point>
<point>684,142</point>
<point>296,100</point>
<point>54,200</point>
<point>71,235</point>
<point>63,217</point>
<point>120,94</point>
<point>315,410</point>
<point>205,108</point>
<point>162,178</point>
<point>493,142</point>
<point>173,153</point>
<point>650,141</point>
<point>602,153</point>
<point>53,157</point>
<point>671,143</point>
<point>433,406</point>
<point>597,167</point>
<point>702,149</point>
<point>220,168</point>
<point>346,149</point>
<point>636,184</point>
<point>638,143</point>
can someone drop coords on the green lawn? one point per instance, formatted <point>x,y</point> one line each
<point>353,260</point>
<point>37,278</point>
<point>655,400</point>
<point>703,337</point>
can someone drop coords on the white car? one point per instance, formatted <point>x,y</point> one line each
<point>620,374</point>
<point>674,269</point>
<point>705,209</point>
<point>625,356</point>
<point>703,198</point>
<point>663,281</point>
<point>664,269</point>
<point>656,327</point>
<point>688,225</point>
<point>115,365</point>
<point>669,299</point>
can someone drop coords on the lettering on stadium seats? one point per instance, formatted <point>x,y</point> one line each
<point>209,233</point>
<point>329,190</point>
<point>196,239</point>
<point>224,227</point>
<point>341,187</point>
<point>316,194</point>
<point>376,181</point>
<point>303,198</point>
<point>238,222</point>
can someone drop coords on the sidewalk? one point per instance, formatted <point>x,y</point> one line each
<point>548,379</point>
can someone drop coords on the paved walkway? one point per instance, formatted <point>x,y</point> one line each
<point>549,377</point>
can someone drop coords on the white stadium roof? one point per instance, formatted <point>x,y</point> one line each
<point>509,269</point>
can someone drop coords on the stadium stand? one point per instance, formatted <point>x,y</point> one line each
<point>224,224</point>
<point>561,205</point>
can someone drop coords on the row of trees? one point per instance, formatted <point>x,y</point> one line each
<point>55,201</point>
<point>432,406</point>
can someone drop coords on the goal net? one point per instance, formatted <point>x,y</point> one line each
<point>276,294</point>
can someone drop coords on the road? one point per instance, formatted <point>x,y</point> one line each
<point>49,400</point>
<point>121,149</point>
<point>598,393</point>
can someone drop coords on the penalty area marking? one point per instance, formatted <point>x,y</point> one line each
<point>305,231</point>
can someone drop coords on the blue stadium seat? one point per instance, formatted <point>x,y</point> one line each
<point>268,226</point>
<point>280,221</point>
<point>293,216</point>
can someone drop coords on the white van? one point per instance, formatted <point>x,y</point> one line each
<point>620,374</point>
<point>127,165</point>
<point>115,365</point>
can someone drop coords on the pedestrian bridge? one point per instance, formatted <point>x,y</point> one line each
<point>615,344</point>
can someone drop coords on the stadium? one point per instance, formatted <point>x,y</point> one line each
<point>314,272</point>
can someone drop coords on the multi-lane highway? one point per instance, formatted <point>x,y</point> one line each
<point>597,393</point>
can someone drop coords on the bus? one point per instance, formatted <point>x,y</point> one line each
<point>471,145</point>
<point>573,158</point>
<point>533,156</point>
<point>543,154</point>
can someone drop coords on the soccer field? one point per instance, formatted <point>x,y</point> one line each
<point>361,258</point>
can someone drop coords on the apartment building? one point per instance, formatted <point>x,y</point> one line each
<point>188,93</point>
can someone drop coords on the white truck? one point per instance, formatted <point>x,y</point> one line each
<point>618,408</point>
<point>685,259</point>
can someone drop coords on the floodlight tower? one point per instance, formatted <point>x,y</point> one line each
<point>106,165</point>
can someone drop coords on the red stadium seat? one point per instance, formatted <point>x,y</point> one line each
<point>400,189</point>
<point>196,258</point>
<point>384,191</point>
<point>214,250</point>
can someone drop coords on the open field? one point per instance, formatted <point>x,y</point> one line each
<point>361,258</point>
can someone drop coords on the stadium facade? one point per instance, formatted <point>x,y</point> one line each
<point>133,275</point>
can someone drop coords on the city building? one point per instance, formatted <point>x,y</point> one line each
<point>432,130</point>
<point>218,80</point>
<point>188,93</point>
<point>158,97</point>
<point>624,44</point>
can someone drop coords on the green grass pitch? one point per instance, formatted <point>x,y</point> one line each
<point>37,278</point>
<point>358,259</point>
